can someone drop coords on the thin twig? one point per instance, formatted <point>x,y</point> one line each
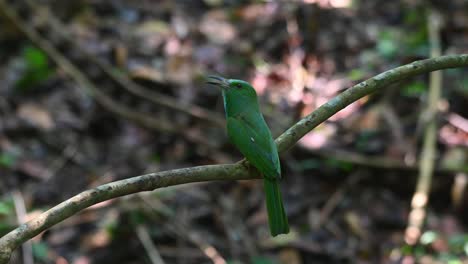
<point>337,196</point>
<point>21,213</point>
<point>428,154</point>
<point>378,161</point>
<point>181,229</point>
<point>145,239</point>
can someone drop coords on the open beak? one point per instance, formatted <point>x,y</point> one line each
<point>218,81</point>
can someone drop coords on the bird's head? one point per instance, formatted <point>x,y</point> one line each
<point>233,86</point>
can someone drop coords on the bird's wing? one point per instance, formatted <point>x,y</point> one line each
<point>252,137</point>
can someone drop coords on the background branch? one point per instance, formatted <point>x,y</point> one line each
<point>429,151</point>
<point>238,171</point>
<point>74,72</point>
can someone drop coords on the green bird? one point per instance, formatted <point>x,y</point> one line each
<point>249,132</point>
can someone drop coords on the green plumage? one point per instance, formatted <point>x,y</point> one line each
<point>249,132</point>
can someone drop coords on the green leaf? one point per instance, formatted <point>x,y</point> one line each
<point>35,58</point>
<point>458,243</point>
<point>36,68</point>
<point>414,89</point>
<point>463,86</point>
<point>40,251</point>
<point>387,45</point>
<point>416,38</point>
<point>362,141</point>
<point>343,165</point>
<point>406,250</point>
<point>446,257</point>
<point>5,228</point>
<point>308,164</point>
<point>428,237</point>
<point>5,209</point>
<point>156,158</point>
<point>7,160</point>
<point>356,75</point>
<point>419,251</point>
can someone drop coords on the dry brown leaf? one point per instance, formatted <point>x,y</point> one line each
<point>36,115</point>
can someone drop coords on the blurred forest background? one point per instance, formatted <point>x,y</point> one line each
<point>94,91</point>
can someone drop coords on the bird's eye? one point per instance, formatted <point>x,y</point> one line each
<point>238,85</point>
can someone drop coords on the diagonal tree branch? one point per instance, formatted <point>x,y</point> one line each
<point>238,171</point>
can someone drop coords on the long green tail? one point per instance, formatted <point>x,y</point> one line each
<point>276,216</point>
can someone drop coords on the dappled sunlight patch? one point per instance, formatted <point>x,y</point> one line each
<point>213,254</point>
<point>456,131</point>
<point>330,3</point>
<point>318,137</point>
